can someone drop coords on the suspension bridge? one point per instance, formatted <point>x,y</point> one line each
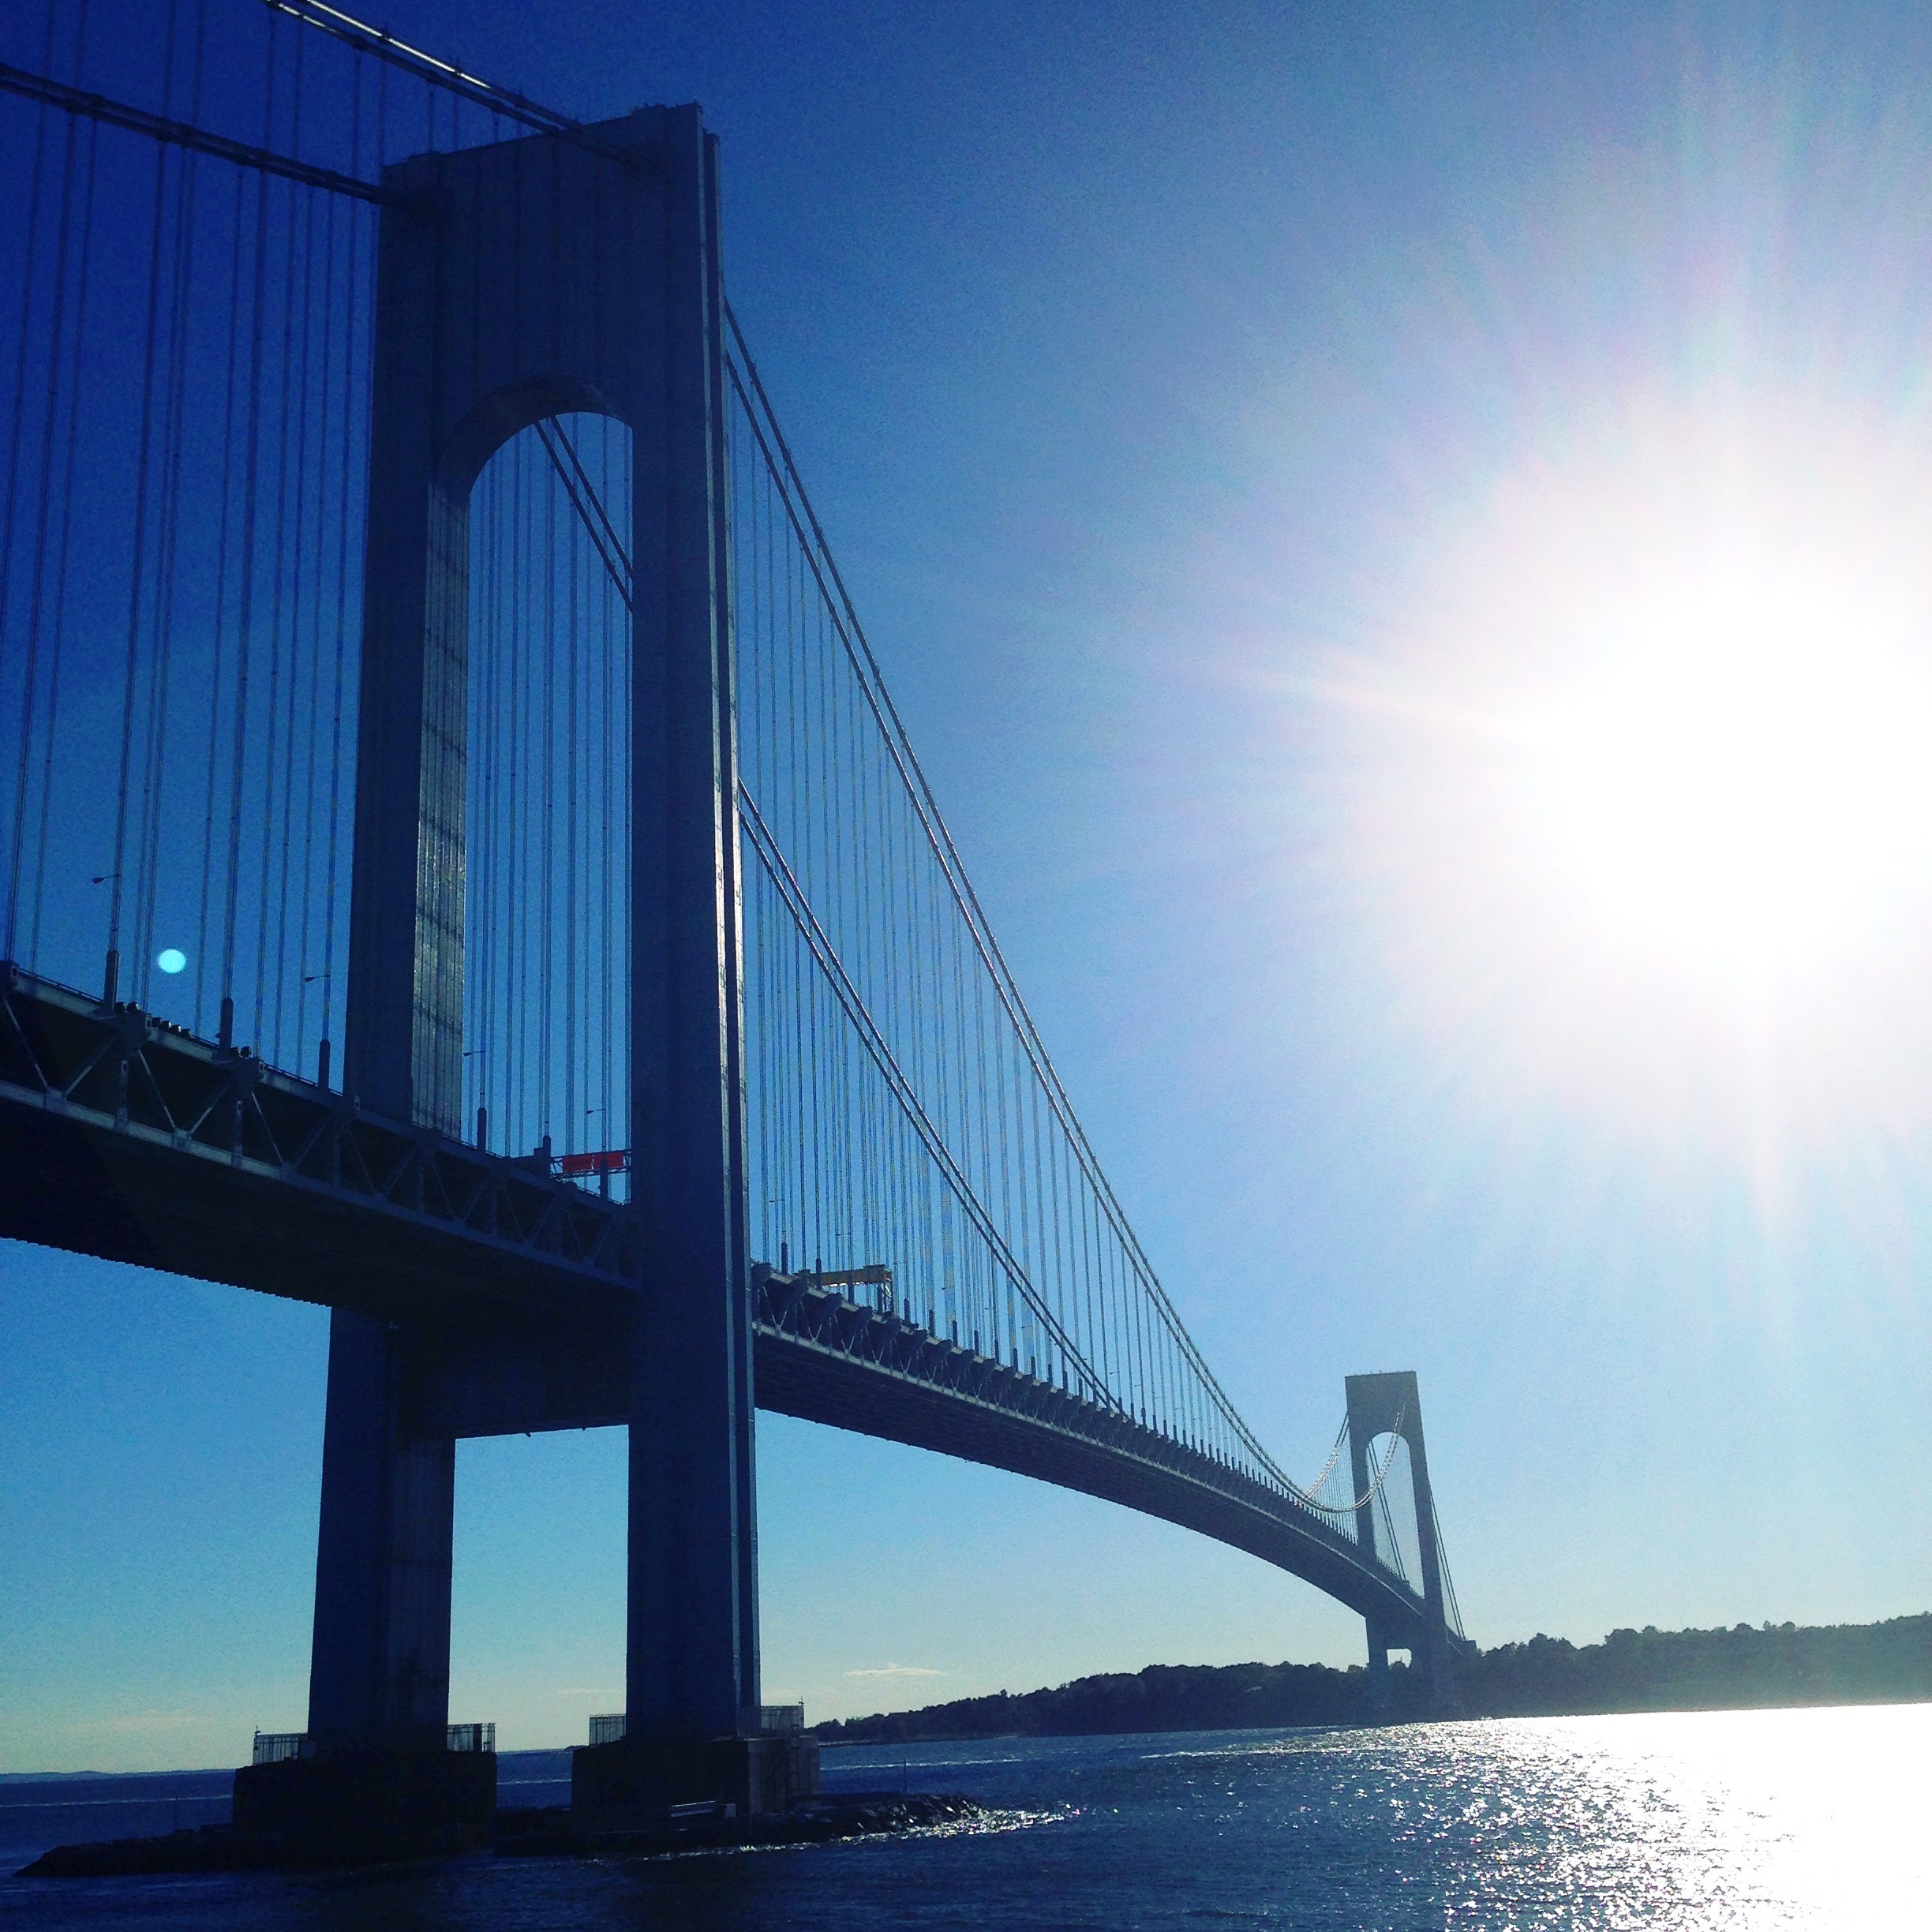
<point>465,869</point>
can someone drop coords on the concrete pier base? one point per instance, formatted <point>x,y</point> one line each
<point>356,1806</point>
<point>640,1784</point>
<point>1378,1670</point>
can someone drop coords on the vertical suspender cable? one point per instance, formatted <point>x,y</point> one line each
<point>219,641</point>
<point>37,598</point>
<point>168,543</point>
<point>51,737</point>
<point>34,179</point>
<point>341,586</point>
<point>117,879</point>
<point>243,645</point>
<point>279,762</point>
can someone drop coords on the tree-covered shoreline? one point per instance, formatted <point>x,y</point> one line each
<point>1769,1666</point>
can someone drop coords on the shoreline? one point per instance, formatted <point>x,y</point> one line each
<point>1372,1723</point>
<point>1766,1667</point>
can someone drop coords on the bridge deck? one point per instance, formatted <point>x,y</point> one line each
<point>126,1138</point>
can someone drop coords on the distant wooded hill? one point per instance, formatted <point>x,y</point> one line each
<point>1646,1670</point>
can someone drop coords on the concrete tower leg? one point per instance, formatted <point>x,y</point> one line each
<point>1365,1535</point>
<point>1442,1699</point>
<point>379,1669</point>
<point>687,1675</point>
<point>691,1667</point>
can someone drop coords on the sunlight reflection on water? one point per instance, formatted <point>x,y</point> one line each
<point>1721,1819</point>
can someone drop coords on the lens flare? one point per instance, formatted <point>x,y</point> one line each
<point>172,960</point>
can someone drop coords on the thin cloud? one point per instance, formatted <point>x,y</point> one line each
<point>896,1670</point>
<point>147,1720</point>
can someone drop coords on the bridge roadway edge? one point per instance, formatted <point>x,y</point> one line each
<point>512,1338</point>
<point>817,1385</point>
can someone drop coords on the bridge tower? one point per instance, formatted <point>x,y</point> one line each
<point>1391,1404</point>
<point>577,271</point>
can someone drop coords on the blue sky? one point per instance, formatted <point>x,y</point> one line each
<point>1203,404</point>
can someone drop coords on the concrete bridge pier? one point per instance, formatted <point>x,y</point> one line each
<point>1379,1648</point>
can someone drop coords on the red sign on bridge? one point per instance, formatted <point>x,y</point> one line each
<point>608,1161</point>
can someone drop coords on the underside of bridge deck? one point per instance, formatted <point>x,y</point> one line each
<point>126,1139</point>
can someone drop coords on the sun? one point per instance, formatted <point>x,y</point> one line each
<point>1743,777</point>
<point>1632,761</point>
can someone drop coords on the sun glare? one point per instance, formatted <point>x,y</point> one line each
<point>1743,779</point>
<point>1639,765</point>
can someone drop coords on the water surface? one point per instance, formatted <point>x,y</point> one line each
<point>1759,1819</point>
